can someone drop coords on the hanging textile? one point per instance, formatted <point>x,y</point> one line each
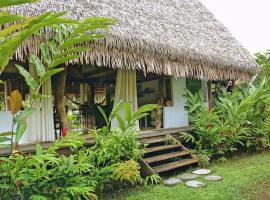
<point>40,125</point>
<point>88,119</point>
<point>84,92</point>
<point>126,89</point>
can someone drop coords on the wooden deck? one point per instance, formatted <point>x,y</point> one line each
<point>30,148</point>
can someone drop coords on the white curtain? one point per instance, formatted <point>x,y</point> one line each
<point>126,89</point>
<point>40,126</point>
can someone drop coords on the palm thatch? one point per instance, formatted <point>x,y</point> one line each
<point>176,37</point>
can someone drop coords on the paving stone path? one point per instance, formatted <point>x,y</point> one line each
<point>189,178</point>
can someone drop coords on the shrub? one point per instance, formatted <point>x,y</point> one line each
<point>128,171</point>
<point>48,175</point>
<point>114,147</point>
<point>239,121</point>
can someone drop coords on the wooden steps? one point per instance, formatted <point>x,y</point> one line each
<point>153,140</point>
<point>160,148</point>
<point>164,153</point>
<point>173,165</point>
<point>165,156</point>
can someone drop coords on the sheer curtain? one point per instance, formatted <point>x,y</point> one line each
<point>40,126</point>
<point>84,92</point>
<point>126,89</point>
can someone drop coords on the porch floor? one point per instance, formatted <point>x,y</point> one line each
<point>30,148</point>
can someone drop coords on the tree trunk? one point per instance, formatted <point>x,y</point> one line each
<point>60,99</point>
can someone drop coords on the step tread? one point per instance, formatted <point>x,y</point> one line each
<point>160,148</point>
<point>165,156</point>
<point>153,140</point>
<point>159,132</point>
<point>174,165</point>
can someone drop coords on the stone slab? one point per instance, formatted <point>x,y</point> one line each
<point>172,182</point>
<point>188,176</point>
<point>202,171</point>
<point>195,184</point>
<point>213,178</point>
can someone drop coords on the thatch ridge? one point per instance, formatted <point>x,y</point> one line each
<point>176,37</point>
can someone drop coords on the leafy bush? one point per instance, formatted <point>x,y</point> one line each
<point>119,144</point>
<point>239,121</point>
<point>48,175</point>
<point>153,179</point>
<point>115,147</point>
<point>128,171</point>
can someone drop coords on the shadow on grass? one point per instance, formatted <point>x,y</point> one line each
<point>257,191</point>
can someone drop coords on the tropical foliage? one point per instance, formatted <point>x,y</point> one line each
<point>239,121</point>
<point>86,171</point>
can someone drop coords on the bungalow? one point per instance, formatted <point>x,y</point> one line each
<point>156,51</point>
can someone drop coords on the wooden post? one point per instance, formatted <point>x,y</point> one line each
<point>160,96</point>
<point>60,99</point>
<point>210,98</point>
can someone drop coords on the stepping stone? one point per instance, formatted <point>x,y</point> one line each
<point>213,178</point>
<point>188,176</point>
<point>172,182</point>
<point>195,184</point>
<point>202,171</point>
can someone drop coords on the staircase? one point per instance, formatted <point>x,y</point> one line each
<point>164,153</point>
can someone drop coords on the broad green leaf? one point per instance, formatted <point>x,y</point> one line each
<point>39,150</point>
<point>53,47</point>
<point>28,77</point>
<point>79,40</point>
<point>45,53</point>
<point>10,19</point>
<point>63,60</point>
<point>104,115</point>
<point>121,122</point>
<point>7,133</point>
<point>116,110</point>
<point>6,3</point>
<point>4,139</point>
<point>2,82</point>
<point>21,127</point>
<point>7,31</point>
<point>128,111</point>
<point>50,73</point>
<point>24,114</point>
<point>70,51</point>
<point>39,66</point>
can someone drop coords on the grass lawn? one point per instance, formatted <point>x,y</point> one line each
<point>245,178</point>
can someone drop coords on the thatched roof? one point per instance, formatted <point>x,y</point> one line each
<point>172,37</point>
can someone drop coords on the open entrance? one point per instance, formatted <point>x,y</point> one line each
<point>88,88</point>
